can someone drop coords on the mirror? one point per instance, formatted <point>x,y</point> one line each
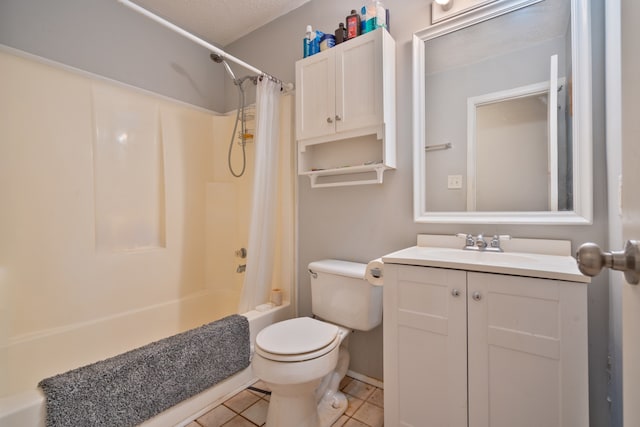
<point>502,115</point>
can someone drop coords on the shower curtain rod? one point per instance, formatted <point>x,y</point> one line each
<point>195,39</point>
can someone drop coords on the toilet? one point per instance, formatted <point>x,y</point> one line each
<point>303,360</point>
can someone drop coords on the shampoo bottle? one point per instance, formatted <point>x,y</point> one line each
<point>368,13</point>
<point>381,16</point>
<point>306,46</point>
<point>353,25</point>
<point>315,42</point>
<point>341,33</point>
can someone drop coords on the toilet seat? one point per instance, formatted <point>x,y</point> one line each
<point>298,339</point>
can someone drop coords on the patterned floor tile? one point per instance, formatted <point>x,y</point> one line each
<point>257,413</point>
<point>370,414</point>
<point>238,421</point>
<point>241,401</point>
<point>359,389</point>
<point>377,397</point>
<point>216,417</point>
<point>249,408</point>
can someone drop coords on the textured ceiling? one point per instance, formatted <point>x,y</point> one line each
<point>220,21</point>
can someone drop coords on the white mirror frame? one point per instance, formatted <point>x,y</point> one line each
<point>582,123</point>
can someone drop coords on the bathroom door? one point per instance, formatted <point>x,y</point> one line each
<point>630,107</point>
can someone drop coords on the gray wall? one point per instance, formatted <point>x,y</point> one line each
<point>361,223</point>
<point>354,223</point>
<point>107,38</point>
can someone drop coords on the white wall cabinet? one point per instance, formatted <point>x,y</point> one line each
<point>482,349</point>
<point>345,110</point>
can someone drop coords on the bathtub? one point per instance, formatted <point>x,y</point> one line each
<point>27,408</point>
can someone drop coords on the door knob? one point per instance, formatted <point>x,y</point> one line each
<point>591,260</point>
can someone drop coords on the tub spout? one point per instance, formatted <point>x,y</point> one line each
<point>241,268</point>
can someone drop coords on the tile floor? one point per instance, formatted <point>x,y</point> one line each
<point>249,408</point>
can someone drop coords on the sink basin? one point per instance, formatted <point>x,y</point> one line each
<point>546,259</point>
<point>480,257</point>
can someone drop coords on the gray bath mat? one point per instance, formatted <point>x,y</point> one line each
<point>130,388</point>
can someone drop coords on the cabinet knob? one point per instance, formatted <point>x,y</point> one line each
<point>338,118</point>
<point>455,292</point>
<point>329,120</point>
<point>477,296</point>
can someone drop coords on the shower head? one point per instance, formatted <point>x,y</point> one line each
<point>220,59</point>
<point>216,58</point>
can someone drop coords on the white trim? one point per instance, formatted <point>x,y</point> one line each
<point>613,108</point>
<point>582,129</point>
<point>472,17</point>
<point>552,133</point>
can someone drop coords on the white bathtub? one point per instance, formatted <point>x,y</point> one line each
<point>27,409</point>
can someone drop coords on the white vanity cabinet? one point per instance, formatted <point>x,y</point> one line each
<point>345,108</point>
<point>477,349</point>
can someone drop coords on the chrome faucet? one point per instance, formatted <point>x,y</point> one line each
<point>481,244</point>
<point>478,243</point>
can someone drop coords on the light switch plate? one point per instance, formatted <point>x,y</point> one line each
<point>454,182</point>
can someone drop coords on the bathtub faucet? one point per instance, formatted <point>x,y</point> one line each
<point>241,268</point>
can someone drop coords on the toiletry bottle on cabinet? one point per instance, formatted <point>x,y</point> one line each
<point>353,25</point>
<point>341,33</point>
<point>368,13</point>
<point>381,15</point>
<point>310,34</point>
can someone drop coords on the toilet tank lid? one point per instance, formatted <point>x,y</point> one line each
<point>342,268</point>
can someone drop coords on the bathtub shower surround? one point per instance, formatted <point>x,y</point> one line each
<point>128,169</point>
<point>132,387</point>
<point>120,220</point>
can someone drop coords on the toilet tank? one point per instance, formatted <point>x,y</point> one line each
<point>341,295</point>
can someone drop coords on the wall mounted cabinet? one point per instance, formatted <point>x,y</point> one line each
<point>345,111</point>
<point>465,348</point>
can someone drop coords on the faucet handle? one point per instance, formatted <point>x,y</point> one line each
<point>497,238</point>
<point>468,239</point>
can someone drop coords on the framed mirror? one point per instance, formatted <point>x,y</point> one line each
<point>502,115</point>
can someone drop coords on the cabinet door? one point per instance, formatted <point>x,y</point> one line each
<point>425,347</point>
<point>359,82</point>
<point>527,343</point>
<point>315,96</point>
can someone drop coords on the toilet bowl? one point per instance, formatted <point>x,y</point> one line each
<point>303,360</point>
<point>292,358</point>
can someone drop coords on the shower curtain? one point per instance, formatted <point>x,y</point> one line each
<point>264,204</point>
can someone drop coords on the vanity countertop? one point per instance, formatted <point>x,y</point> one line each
<point>557,265</point>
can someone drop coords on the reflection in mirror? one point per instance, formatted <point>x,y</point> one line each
<point>511,154</point>
<point>518,140</point>
<point>502,93</point>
